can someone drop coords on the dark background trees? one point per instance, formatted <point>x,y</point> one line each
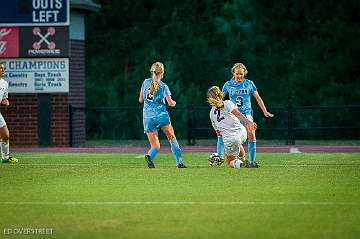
<point>297,52</point>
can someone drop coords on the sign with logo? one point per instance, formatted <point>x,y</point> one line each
<point>37,75</point>
<point>37,41</point>
<point>34,12</point>
<point>44,41</point>
<point>9,42</point>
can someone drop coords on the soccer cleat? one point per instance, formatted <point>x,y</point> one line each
<point>253,165</point>
<point>10,160</point>
<point>245,164</point>
<point>181,165</point>
<point>150,163</point>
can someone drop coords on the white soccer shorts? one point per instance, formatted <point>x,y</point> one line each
<point>233,140</point>
<point>2,121</point>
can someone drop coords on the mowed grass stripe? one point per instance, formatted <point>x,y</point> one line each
<point>188,203</point>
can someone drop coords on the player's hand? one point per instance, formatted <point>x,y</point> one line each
<point>268,114</point>
<point>251,126</point>
<point>172,103</point>
<point>5,102</point>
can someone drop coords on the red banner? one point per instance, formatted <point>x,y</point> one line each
<point>9,42</point>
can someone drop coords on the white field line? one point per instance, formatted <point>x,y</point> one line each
<point>304,203</point>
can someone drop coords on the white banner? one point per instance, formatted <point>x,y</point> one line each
<point>37,75</point>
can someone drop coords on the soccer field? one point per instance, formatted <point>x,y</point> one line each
<point>98,195</point>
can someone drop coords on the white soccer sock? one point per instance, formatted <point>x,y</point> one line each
<point>236,163</point>
<point>5,150</point>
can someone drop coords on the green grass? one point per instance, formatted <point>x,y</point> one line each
<point>116,196</point>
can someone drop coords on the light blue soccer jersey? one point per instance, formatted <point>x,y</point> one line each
<point>154,104</point>
<point>240,94</point>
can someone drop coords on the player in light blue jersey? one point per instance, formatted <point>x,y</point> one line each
<point>153,94</point>
<point>240,91</point>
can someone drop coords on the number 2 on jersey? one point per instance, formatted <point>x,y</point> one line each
<point>218,115</point>
<point>149,96</point>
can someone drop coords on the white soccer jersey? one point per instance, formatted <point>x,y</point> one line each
<point>233,132</point>
<point>3,89</point>
<point>3,95</point>
<point>223,120</point>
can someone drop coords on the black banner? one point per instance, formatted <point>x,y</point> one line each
<point>44,41</point>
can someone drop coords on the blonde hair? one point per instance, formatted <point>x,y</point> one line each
<point>215,97</point>
<point>157,69</point>
<point>238,65</point>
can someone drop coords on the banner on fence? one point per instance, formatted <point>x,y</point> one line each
<point>37,75</point>
<point>43,41</point>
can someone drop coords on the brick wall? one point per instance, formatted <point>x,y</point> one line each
<point>22,115</point>
<point>60,120</point>
<point>77,91</point>
<point>21,119</point>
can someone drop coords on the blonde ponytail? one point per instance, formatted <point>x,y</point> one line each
<point>215,97</point>
<point>157,71</point>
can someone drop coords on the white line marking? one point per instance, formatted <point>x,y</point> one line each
<point>187,203</point>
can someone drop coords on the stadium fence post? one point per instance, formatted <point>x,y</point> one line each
<point>290,129</point>
<point>71,111</point>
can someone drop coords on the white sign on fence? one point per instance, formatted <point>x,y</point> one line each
<point>38,75</point>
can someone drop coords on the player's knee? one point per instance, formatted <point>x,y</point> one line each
<point>5,137</point>
<point>228,160</point>
<point>170,136</point>
<point>251,136</point>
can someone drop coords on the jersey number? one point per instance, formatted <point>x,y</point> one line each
<point>239,101</point>
<point>218,116</point>
<point>149,96</point>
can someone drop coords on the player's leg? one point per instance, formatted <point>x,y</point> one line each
<point>4,145</point>
<point>232,143</point>
<point>233,162</point>
<point>152,135</point>
<point>175,148</point>
<point>252,147</point>
<point>154,148</point>
<point>242,153</point>
<point>251,144</point>
<point>220,145</point>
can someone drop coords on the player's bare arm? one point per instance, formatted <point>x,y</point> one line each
<point>141,97</point>
<point>170,101</point>
<point>262,105</point>
<point>248,124</point>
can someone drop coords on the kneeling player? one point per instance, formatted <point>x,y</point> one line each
<point>225,118</point>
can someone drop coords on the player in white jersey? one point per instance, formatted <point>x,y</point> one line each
<point>4,131</point>
<point>153,94</point>
<point>225,118</point>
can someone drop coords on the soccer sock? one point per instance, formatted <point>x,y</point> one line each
<point>252,151</point>
<point>175,149</point>
<point>5,150</point>
<point>152,153</point>
<point>220,146</point>
<point>236,163</point>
